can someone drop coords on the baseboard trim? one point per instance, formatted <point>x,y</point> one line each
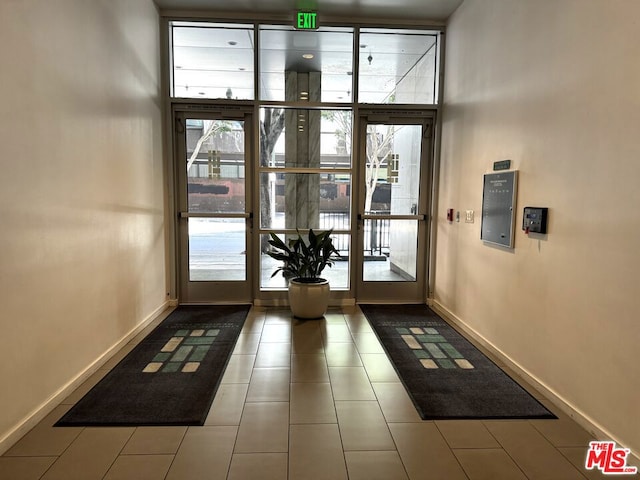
<point>586,422</point>
<point>40,412</point>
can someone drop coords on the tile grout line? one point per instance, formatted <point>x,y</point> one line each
<point>325,342</point>
<point>451,449</point>
<point>386,422</point>
<point>119,453</point>
<point>507,453</point>
<point>244,404</point>
<point>186,430</point>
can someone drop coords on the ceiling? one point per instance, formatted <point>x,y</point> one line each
<point>418,10</point>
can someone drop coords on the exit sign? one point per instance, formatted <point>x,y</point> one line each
<point>305,21</point>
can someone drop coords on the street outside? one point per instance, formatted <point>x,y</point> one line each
<point>217,252</point>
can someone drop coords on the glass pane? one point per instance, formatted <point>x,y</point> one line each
<point>314,66</point>
<point>212,60</point>
<point>305,138</point>
<point>215,166</point>
<point>392,170</point>
<point>217,249</point>
<point>338,274</point>
<point>305,200</point>
<point>397,66</point>
<point>390,250</point>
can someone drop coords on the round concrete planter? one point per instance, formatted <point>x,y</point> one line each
<point>308,300</point>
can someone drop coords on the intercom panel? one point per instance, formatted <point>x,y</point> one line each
<point>534,219</point>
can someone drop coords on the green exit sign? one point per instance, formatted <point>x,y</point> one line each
<point>305,21</point>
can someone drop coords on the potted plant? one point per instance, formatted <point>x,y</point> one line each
<point>303,262</point>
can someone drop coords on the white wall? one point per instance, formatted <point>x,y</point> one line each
<point>82,258</point>
<point>555,87</point>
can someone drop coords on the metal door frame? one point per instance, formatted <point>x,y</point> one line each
<point>387,291</point>
<point>207,292</point>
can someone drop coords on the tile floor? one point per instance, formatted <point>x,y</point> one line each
<point>308,400</point>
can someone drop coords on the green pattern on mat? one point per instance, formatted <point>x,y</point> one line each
<point>434,346</point>
<point>192,348</point>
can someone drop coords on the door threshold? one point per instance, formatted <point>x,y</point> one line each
<point>339,302</point>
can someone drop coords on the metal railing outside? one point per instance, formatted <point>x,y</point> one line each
<point>376,238</point>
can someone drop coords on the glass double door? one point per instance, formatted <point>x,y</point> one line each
<point>380,227</point>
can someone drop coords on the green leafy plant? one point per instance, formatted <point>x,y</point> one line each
<point>303,261</point>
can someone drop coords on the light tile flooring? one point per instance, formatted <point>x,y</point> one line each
<point>307,400</point>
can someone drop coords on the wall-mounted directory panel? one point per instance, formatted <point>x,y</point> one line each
<point>498,208</point>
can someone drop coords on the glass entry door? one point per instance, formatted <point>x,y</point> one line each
<point>392,247</point>
<point>214,207</point>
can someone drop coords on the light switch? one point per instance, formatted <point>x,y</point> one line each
<point>469,216</point>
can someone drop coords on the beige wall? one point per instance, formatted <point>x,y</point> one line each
<point>81,189</point>
<point>555,87</point>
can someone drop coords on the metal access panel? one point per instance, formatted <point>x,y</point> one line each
<point>498,208</point>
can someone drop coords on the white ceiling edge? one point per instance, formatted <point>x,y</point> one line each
<point>410,12</point>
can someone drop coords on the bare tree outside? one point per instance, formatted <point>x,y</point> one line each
<point>379,143</point>
<point>379,146</point>
<point>271,127</point>
<point>214,128</point>
<point>343,132</point>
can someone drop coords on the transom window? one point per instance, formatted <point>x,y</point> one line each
<point>216,61</point>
